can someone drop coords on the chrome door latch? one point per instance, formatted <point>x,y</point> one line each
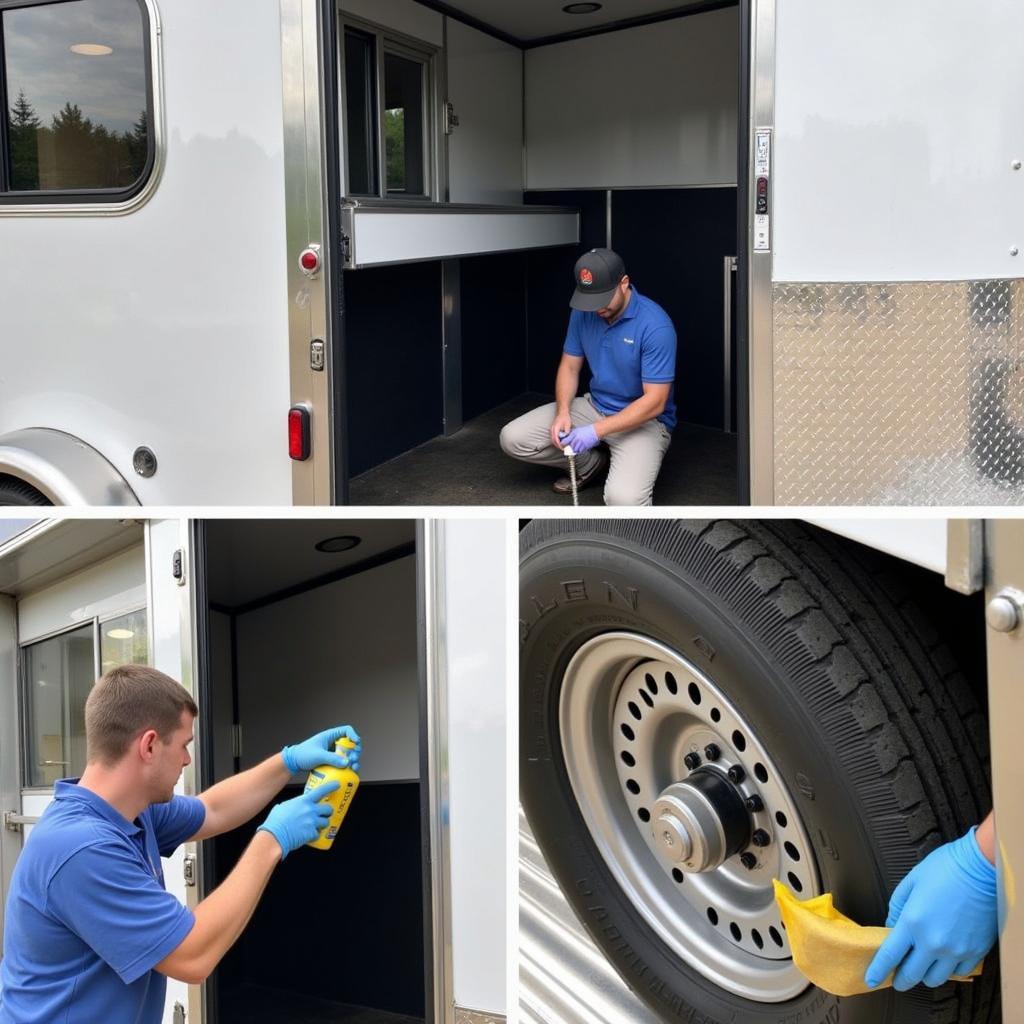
<point>178,567</point>
<point>189,869</point>
<point>179,1014</point>
<point>317,355</point>
<point>451,119</point>
<point>15,822</point>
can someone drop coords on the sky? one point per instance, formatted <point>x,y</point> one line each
<point>111,90</point>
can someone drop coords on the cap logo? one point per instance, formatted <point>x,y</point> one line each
<point>586,277</point>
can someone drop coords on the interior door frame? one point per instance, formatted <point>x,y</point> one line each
<point>10,744</point>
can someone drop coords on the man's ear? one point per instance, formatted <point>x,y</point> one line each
<point>624,283</point>
<point>147,744</point>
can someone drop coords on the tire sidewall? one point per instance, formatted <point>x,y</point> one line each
<point>628,590</point>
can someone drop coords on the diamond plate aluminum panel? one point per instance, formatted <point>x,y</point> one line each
<point>899,394</point>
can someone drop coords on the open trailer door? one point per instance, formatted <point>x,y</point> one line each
<point>884,205</point>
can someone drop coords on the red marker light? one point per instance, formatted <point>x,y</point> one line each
<point>298,433</point>
<point>309,261</point>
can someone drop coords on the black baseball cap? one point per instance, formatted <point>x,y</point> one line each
<point>598,274</point>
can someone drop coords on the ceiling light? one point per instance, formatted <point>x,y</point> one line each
<point>99,50</point>
<point>335,544</point>
<point>582,8</point>
<point>120,634</point>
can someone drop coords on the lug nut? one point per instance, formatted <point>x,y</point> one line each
<point>748,860</point>
<point>692,760</point>
<point>755,804</point>
<point>761,838</point>
<point>711,752</point>
<point>737,774</point>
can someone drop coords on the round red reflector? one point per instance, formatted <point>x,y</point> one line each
<point>309,261</point>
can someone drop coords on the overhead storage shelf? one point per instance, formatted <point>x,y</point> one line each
<point>378,233</point>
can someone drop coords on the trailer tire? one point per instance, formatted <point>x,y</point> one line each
<point>16,492</point>
<point>872,726</point>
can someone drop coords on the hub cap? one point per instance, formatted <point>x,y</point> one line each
<point>687,809</point>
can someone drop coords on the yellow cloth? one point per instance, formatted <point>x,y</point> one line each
<point>829,949</point>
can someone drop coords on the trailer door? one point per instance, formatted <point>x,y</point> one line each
<point>886,210</point>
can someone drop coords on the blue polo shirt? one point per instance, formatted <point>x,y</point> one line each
<point>88,916</point>
<point>639,348</point>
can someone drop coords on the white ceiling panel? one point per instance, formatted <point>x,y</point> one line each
<point>536,19</point>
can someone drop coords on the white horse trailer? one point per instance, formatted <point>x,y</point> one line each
<point>393,625</point>
<point>861,681</point>
<point>250,272</point>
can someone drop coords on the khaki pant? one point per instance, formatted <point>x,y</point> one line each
<point>635,454</point>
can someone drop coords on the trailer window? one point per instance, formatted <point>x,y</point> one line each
<point>387,116</point>
<point>77,101</point>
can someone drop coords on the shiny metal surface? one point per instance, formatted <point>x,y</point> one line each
<point>63,468</point>
<point>463,1016</point>
<point>606,723</point>
<point>965,555</point>
<point>908,394</point>
<point>563,977</point>
<point>309,317</point>
<point>1004,543</point>
<point>1005,612</point>
<point>759,326</point>
<point>85,209</point>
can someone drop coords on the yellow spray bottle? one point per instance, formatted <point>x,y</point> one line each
<point>348,783</point>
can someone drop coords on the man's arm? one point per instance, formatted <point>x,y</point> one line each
<point>237,799</point>
<point>648,406</point>
<point>567,383</point>
<point>221,917</point>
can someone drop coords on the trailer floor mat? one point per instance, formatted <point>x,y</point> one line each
<point>469,468</point>
<point>255,1004</point>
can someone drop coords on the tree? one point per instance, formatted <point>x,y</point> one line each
<point>25,127</point>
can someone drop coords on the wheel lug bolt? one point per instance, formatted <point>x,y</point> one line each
<point>761,838</point>
<point>748,860</point>
<point>692,760</point>
<point>755,804</point>
<point>711,752</point>
<point>737,774</point>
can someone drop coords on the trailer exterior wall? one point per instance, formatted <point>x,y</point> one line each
<point>894,312</point>
<point>168,327</point>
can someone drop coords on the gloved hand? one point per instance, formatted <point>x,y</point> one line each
<point>559,428</point>
<point>319,749</point>
<point>298,821</point>
<point>943,918</point>
<point>581,439</point>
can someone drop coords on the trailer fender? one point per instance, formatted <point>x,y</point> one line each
<point>62,468</point>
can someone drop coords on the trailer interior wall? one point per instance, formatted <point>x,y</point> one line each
<point>343,652</point>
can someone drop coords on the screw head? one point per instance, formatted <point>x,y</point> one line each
<point>754,803</point>
<point>692,760</point>
<point>760,838</point>
<point>144,462</point>
<point>1016,165</point>
<point>737,774</point>
<point>748,860</point>
<point>711,752</point>
<point>1005,611</point>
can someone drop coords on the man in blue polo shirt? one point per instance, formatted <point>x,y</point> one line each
<point>630,345</point>
<point>90,933</point>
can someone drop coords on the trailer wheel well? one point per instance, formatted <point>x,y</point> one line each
<point>17,492</point>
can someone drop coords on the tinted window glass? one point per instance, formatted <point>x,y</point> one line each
<point>78,111</point>
<point>360,104</point>
<point>403,124</point>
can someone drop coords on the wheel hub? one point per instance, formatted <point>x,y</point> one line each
<point>687,808</point>
<point>701,822</point>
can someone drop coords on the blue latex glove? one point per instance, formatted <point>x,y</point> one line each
<point>319,749</point>
<point>581,439</point>
<point>943,918</point>
<point>300,820</point>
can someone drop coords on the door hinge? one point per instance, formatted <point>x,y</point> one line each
<point>179,1014</point>
<point>236,740</point>
<point>317,355</point>
<point>451,119</point>
<point>189,869</point>
<point>178,567</point>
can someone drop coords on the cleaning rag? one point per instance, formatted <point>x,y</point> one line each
<point>829,949</point>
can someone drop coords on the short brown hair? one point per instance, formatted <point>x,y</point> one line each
<point>124,703</point>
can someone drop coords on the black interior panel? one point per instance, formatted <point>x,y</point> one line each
<point>394,370</point>
<point>367,886</point>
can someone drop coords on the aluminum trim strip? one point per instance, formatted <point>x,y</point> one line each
<point>413,206</point>
<point>899,393</point>
<point>965,550</point>
<point>464,1016</point>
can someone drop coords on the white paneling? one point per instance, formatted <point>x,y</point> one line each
<point>921,541</point>
<point>169,326</point>
<point>398,236</point>
<point>896,127</point>
<point>645,107</point>
<point>475,642</point>
<point>221,703</point>
<point>485,83</point>
<point>110,587</point>
<point>344,653</point>
<point>412,19</point>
